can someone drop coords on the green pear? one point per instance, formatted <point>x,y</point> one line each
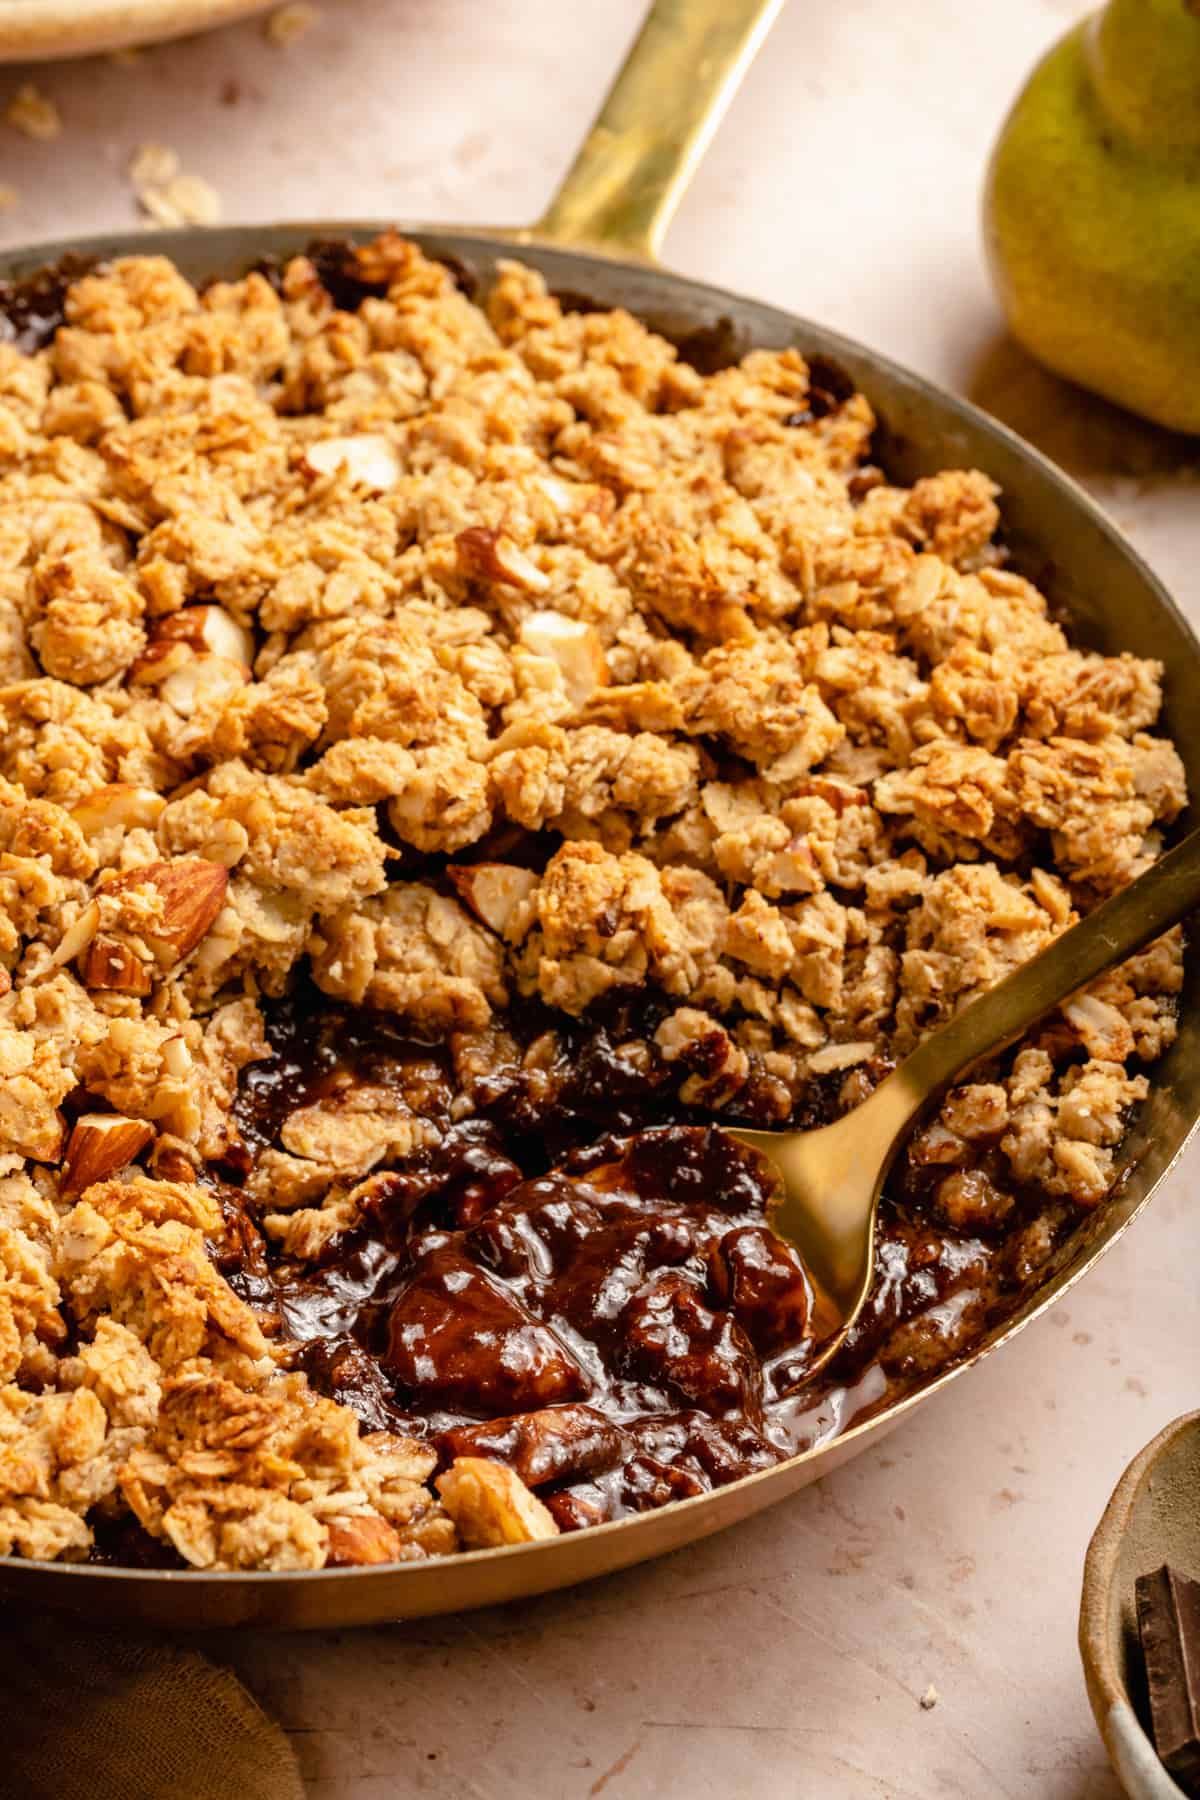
<point>1092,209</point>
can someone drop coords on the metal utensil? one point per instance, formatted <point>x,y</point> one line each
<point>833,1177</point>
<point>1092,575</point>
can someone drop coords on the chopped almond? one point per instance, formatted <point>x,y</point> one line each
<point>493,891</point>
<point>193,893</point>
<point>118,805</point>
<point>574,646</point>
<point>76,938</point>
<point>209,630</point>
<point>486,555</point>
<point>109,962</point>
<point>100,1145</point>
<point>369,460</point>
<point>361,1538</point>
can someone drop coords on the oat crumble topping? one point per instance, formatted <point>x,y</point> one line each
<point>487,674</point>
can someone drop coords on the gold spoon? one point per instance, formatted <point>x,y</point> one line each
<point>832,1177</point>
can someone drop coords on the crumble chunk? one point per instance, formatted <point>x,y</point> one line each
<point>600,920</point>
<point>413,952</point>
<point>239,1478</point>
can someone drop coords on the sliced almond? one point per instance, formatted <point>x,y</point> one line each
<point>203,682</point>
<point>76,938</point>
<point>99,1145</point>
<point>839,1056</point>
<point>109,962</point>
<point>193,893</point>
<point>487,555</point>
<point>209,630</point>
<point>361,1538</point>
<point>574,646</point>
<point>368,459</point>
<point>118,805</point>
<point>493,891</point>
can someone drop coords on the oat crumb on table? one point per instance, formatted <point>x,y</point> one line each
<point>179,199</point>
<point>475,664</point>
<point>287,24</point>
<point>33,114</point>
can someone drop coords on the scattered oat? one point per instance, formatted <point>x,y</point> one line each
<point>9,197</point>
<point>289,23</point>
<point>153,165</point>
<point>929,1698</point>
<point>33,114</point>
<point>183,200</point>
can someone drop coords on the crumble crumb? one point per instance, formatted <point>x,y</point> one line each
<point>181,200</point>
<point>33,114</point>
<point>287,24</point>
<point>153,165</point>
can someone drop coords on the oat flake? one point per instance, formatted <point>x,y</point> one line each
<point>184,200</point>
<point>33,114</point>
<point>153,165</point>
<point>290,23</point>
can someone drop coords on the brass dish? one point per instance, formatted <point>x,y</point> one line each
<point>617,201</point>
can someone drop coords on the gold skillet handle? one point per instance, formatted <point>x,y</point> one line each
<point>660,113</point>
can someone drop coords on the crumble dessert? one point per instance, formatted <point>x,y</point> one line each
<point>452,755</point>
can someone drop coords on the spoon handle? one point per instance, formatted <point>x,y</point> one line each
<point>1128,921</point>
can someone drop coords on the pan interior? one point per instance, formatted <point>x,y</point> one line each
<point>1055,535</point>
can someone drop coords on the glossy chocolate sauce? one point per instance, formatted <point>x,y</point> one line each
<point>578,1279</point>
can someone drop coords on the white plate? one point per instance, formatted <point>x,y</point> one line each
<point>40,30</point>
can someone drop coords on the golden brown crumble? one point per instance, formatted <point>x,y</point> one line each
<point>294,599</point>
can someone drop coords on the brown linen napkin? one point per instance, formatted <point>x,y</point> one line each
<point>95,1716</point>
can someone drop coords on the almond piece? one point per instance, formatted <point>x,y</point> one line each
<point>99,1145</point>
<point>493,891</point>
<point>574,646</point>
<point>209,631</point>
<point>193,893</point>
<point>203,681</point>
<point>177,1058</point>
<point>117,805</point>
<point>835,1057</point>
<point>361,1538</point>
<point>368,459</point>
<point>487,555</point>
<point>109,962</point>
<point>159,659</point>
<point>76,938</point>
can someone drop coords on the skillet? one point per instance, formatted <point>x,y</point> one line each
<point>599,238</point>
